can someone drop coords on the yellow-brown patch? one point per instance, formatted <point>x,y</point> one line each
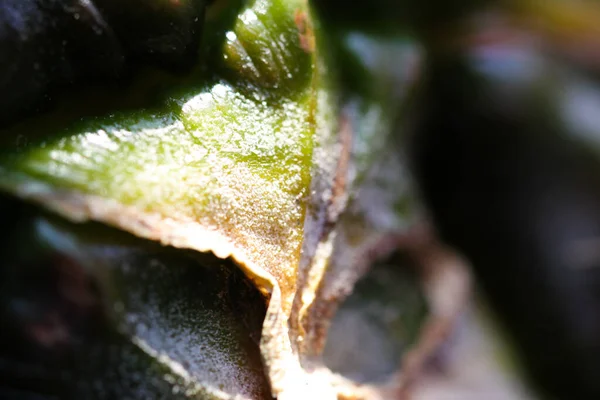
<point>305,31</point>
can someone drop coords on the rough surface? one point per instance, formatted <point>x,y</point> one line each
<point>151,321</point>
<point>225,167</point>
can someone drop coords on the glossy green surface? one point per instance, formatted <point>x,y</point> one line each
<point>228,151</point>
<point>91,312</point>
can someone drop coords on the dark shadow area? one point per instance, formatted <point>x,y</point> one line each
<point>88,312</point>
<point>377,323</point>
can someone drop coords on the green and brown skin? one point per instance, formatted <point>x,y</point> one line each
<point>220,161</point>
<point>228,157</point>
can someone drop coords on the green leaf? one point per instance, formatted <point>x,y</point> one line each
<point>251,158</point>
<point>223,162</point>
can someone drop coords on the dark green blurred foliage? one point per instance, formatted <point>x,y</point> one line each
<point>423,18</point>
